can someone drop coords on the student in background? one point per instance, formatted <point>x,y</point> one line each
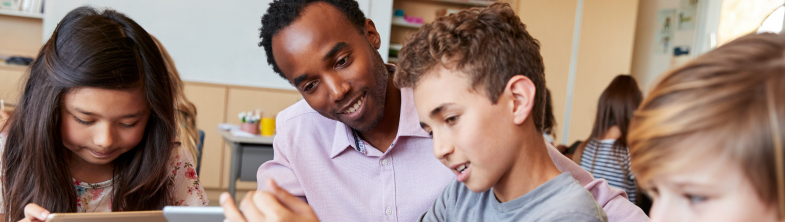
<point>187,133</point>
<point>95,127</point>
<point>707,143</point>
<point>605,154</point>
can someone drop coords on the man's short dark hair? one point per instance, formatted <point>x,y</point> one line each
<point>490,45</point>
<point>282,13</point>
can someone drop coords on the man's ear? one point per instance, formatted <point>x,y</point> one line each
<point>372,35</point>
<point>522,90</point>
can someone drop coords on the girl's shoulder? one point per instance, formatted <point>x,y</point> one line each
<point>181,157</point>
<point>188,191</point>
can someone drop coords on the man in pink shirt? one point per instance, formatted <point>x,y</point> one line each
<point>354,149</point>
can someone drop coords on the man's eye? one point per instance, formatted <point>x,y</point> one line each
<point>309,86</point>
<point>342,62</point>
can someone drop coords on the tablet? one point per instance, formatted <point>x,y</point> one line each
<point>147,216</point>
<point>194,214</point>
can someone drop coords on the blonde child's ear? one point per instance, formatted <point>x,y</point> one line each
<point>522,92</point>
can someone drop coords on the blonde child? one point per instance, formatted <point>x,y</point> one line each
<point>95,127</point>
<point>706,143</point>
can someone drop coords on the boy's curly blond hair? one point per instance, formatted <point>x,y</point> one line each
<point>490,45</point>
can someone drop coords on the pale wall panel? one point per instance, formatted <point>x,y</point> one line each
<point>11,82</point>
<point>552,22</point>
<point>21,36</point>
<point>606,42</point>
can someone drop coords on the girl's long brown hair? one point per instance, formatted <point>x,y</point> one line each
<point>615,108</point>
<point>89,48</point>
<point>185,109</point>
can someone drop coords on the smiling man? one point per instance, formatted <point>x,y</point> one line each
<point>354,148</point>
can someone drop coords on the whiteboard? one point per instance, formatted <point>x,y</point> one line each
<point>210,41</point>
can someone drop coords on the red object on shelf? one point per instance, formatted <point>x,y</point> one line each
<point>252,128</point>
<point>413,19</point>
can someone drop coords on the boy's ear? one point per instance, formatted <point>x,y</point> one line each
<point>372,35</point>
<point>522,90</point>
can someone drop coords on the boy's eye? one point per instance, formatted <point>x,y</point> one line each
<point>451,120</point>
<point>695,199</point>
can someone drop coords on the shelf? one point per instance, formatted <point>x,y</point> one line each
<point>392,59</point>
<point>5,66</point>
<point>395,46</point>
<point>17,13</point>
<point>407,25</point>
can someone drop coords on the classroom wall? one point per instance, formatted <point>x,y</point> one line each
<point>604,51</point>
<point>20,35</point>
<point>551,23</point>
<point>217,104</point>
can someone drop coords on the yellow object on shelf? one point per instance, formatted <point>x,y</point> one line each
<point>268,126</point>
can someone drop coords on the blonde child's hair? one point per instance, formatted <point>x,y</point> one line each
<point>728,104</point>
<point>187,133</point>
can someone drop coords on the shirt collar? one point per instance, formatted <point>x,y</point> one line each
<point>408,124</point>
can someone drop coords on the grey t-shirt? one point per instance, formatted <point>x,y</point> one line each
<point>559,199</point>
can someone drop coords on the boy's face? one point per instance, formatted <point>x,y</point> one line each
<point>334,66</point>
<point>711,190</point>
<point>471,135</point>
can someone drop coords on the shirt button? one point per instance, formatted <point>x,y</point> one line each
<point>384,162</point>
<point>388,211</point>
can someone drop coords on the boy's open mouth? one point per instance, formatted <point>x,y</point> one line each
<point>462,171</point>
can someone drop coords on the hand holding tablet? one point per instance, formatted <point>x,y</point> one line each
<point>273,205</point>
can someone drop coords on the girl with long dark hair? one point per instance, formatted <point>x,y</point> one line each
<point>605,154</point>
<point>95,128</point>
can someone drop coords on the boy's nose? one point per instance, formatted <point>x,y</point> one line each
<point>441,149</point>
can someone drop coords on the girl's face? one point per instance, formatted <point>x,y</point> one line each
<point>710,191</point>
<point>100,124</point>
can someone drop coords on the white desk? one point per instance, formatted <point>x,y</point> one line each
<point>237,144</point>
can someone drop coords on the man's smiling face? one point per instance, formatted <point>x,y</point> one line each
<point>334,65</point>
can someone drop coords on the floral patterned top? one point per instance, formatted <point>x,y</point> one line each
<point>97,197</point>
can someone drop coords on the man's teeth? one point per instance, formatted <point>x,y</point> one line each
<point>461,168</point>
<point>356,106</point>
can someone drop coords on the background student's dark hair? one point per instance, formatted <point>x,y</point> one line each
<point>89,48</point>
<point>282,13</point>
<point>549,121</point>
<point>615,108</point>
